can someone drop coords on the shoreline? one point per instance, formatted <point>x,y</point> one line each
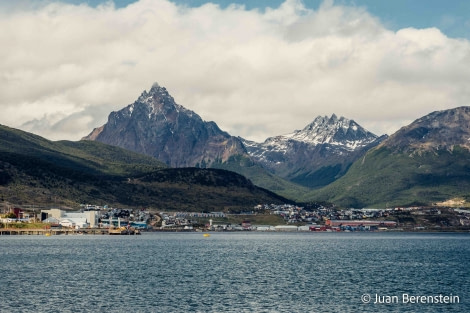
<point>105,231</point>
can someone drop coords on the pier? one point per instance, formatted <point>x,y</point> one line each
<point>50,232</point>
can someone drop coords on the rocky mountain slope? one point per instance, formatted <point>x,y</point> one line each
<point>316,155</point>
<point>440,130</point>
<point>155,125</point>
<point>425,162</point>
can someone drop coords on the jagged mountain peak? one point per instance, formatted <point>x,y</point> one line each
<point>156,103</point>
<point>333,130</point>
<point>332,122</point>
<point>156,125</point>
<point>155,92</point>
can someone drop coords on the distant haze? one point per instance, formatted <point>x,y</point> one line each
<point>256,73</point>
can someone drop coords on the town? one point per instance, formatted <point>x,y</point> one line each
<point>263,217</point>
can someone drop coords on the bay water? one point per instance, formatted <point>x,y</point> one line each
<point>236,272</point>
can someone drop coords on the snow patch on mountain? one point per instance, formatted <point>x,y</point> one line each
<point>343,133</point>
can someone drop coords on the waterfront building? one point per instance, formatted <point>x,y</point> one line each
<point>360,223</point>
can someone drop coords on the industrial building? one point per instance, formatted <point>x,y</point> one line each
<point>86,219</point>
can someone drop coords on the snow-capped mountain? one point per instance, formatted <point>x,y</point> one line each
<point>155,125</point>
<point>317,154</point>
<point>335,131</point>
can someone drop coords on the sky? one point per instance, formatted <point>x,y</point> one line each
<point>257,68</point>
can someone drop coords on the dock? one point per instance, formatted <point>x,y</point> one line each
<point>50,232</point>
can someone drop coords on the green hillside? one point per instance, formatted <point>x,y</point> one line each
<point>384,177</point>
<point>43,172</point>
<point>261,177</point>
<point>83,156</point>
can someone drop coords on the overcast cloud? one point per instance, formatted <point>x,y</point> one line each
<point>64,68</point>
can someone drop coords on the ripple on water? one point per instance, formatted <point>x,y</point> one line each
<point>230,272</point>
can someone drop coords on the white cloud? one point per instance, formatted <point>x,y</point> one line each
<point>256,73</point>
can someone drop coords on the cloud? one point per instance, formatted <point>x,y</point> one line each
<point>256,73</point>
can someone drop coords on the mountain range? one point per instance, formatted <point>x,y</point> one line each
<point>332,159</point>
<point>312,157</point>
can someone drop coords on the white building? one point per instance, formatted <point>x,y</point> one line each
<point>264,228</point>
<point>286,228</point>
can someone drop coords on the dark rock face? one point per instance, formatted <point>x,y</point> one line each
<point>155,125</point>
<point>316,155</point>
<point>439,130</point>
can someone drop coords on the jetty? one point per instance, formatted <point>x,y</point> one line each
<point>50,232</point>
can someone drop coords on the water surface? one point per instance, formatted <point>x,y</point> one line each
<point>233,272</point>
